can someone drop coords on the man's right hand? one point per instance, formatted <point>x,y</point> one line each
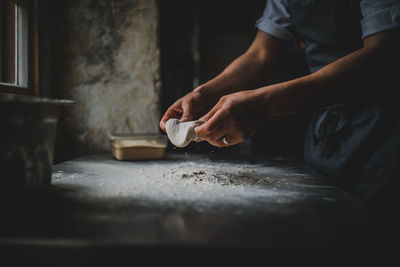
<point>189,107</point>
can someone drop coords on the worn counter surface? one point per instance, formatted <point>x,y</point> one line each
<point>242,203</point>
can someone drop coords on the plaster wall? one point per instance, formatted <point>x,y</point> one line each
<point>107,60</point>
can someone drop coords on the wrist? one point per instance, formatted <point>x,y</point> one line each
<point>276,100</point>
<point>201,89</point>
<point>205,91</point>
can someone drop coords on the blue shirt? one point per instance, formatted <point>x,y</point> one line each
<point>330,29</point>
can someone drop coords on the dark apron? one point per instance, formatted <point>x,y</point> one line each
<point>357,143</point>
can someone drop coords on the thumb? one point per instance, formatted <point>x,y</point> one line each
<point>208,115</point>
<point>200,130</point>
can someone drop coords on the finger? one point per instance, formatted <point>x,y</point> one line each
<point>226,140</point>
<point>222,131</point>
<point>216,142</point>
<point>198,140</point>
<point>210,114</point>
<point>220,141</point>
<point>209,127</point>
<point>162,124</point>
<point>213,130</point>
<point>216,138</point>
<point>233,138</point>
<point>171,113</point>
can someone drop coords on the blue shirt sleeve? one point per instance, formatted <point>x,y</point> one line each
<point>276,20</point>
<point>379,15</point>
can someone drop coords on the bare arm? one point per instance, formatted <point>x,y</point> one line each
<point>367,71</point>
<point>246,72</point>
<point>237,115</point>
<point>249,70</point>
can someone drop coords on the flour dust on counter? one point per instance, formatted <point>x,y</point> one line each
<point>181,179</point>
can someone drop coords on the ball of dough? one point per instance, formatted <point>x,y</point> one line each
<point>181,133</point>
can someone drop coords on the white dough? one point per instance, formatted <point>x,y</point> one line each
<point>181,133</point>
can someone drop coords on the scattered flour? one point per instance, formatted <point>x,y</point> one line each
<point>198,181</point>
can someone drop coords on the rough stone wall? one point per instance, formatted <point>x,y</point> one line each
<point>107,60</point>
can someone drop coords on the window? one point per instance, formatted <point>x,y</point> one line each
<point>7,45</point>
<point>18,47</point>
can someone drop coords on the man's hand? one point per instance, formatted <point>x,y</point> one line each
<point>236,116</point>
<point>250,70</point>
<point>189,107</point>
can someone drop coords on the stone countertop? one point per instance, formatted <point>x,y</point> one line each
<point>198,200</point>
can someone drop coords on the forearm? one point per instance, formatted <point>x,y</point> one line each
<point>250,70</point>
<point>364,72</point>
<point>246,72</point>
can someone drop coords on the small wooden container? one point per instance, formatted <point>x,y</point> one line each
<point>138,147</point>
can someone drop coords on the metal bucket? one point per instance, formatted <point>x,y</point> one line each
<point>27,138</point>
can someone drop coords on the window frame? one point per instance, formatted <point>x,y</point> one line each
<point>26,55</point>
